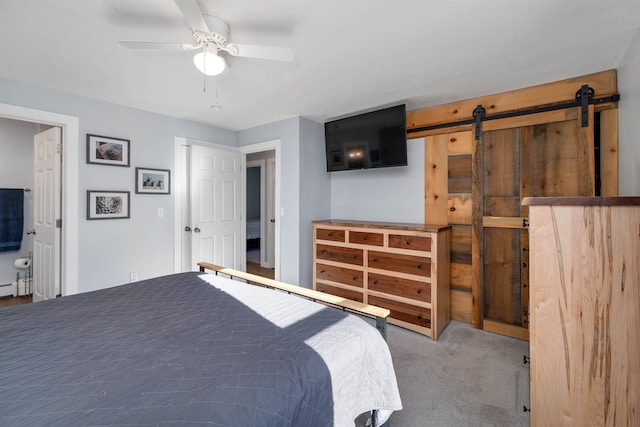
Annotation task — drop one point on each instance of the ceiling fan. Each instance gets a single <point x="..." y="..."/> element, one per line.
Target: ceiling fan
<point x="211" y="36"/>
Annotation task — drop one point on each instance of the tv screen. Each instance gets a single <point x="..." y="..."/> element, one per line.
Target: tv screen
<point x="372" y="140"/>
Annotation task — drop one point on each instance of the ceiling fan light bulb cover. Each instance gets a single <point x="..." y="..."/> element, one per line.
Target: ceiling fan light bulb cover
<point x="209" y="63"/>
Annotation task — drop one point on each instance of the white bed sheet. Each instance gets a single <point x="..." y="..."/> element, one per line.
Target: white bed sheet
<point x="356" y="355"/>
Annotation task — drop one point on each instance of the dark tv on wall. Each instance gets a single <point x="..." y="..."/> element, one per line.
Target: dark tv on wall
<point x="371" y="140"/>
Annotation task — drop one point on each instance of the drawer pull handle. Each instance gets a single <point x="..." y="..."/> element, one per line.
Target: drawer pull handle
<point x="375" y="282"/>
<point x="354" y="256"/>
<point x="322" y="251"/>
<point x="419" y="265"/>
<point x="355" y="277"/>
<point x="419" y="316"/>
<point x="330" y="234"/>
<point x="364" y="237"/>
<point x="321" y="271"/>
<point x="408" y="242"/>
<point x="419" y="291"/>
<point x="375" y="260"/>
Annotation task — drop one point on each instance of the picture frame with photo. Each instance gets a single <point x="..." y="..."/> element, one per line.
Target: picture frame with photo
<point x="153" y="181"/>
<point x="108" y="204"/>
<point x="106" y="150"/>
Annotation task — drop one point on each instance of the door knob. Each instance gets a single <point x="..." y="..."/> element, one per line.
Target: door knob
<point x="273" y="220"/>
<point x="31" y="232"/>
<point x="187" y="228"/>
<point x="196" y="230"/>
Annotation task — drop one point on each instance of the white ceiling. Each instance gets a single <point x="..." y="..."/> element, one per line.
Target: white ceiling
<point x="351" y="55"/>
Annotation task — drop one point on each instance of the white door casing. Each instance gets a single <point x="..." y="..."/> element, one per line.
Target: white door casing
<point x="69" y="186"/>
<point x="216" y="219"/>
<point x="46" y="240"/>
<point x="270" y="230"/>
<point x="183" y="196"/>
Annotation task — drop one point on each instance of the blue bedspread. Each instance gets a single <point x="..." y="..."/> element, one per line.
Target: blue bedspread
<point x="169" y="351"/>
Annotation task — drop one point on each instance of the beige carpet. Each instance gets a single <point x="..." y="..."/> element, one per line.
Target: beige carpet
<point x="468" y="377"/>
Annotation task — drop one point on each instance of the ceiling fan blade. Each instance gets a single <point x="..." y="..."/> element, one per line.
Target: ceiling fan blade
<point x="193" y="14"/>
<point x="261" y="52"/>
<point x="157" y="45"/>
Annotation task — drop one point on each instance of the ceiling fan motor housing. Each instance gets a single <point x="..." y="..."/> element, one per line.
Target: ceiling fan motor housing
<point x="219" y="34"/>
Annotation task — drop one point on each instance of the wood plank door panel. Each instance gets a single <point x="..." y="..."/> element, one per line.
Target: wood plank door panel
<point x="545" y="160"/>
<point x="501" y="240"/>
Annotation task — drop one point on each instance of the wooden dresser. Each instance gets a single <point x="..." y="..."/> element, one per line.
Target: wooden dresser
<point x="401" y="267"/>
<point x="585" y="311"/>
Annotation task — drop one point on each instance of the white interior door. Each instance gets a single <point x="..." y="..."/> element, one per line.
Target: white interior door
<point x="216" y="220"/>
<point x="46" y="240"/>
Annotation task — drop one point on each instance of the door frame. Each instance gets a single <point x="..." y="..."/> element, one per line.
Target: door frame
<point x="69" y="186"/>
<point x="275" y="144"/>
<point x="179" y="186"/>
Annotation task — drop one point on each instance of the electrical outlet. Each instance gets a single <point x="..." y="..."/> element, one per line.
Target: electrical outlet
<point x="134" y="277"/>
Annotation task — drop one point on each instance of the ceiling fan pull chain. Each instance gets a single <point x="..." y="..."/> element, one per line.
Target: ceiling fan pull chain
<point x="204" y="75"/>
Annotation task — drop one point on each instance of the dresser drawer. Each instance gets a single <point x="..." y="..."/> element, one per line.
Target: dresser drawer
<point x="339" y="254"/>
<point x="416" y="243"/>
<point x="420" y="266"/>
<point x="366" y="238"/>
<point x="329" y="234"/>
<point x="406" y="312"/>
<point x="419" y="291"/>
<point x="344" y="293"/>
<point x="339" y="274"/>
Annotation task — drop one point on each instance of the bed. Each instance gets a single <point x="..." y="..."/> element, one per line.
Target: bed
<point x="253" y="229"/>
<point x="192" y="349"/>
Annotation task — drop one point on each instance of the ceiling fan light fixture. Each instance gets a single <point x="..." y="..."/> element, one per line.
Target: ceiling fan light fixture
<point x="209" y="63"/>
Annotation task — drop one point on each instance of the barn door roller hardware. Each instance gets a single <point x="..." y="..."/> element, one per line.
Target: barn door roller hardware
<point x="585" y="96"/>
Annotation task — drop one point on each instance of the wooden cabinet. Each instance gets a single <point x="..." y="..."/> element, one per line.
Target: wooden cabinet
<point x="401" y="267"/>
<point x="585" y="311"/>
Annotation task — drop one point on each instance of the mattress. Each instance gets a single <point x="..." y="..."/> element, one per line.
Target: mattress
<point x="253" y="229"/>
<point x="191" y="348"/>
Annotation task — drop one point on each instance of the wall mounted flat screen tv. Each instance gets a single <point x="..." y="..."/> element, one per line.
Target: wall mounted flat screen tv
<point x="372" y="140"/>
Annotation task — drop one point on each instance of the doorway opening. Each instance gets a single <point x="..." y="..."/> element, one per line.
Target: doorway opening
<point x="260" y="213"/>
<point x="66" y="196"/>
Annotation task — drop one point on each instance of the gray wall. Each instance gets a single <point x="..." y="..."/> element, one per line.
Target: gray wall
<point x="110" y="249"/>
<point x="288" y="132"/>
<point x="16" y="171"/>
<point x="315" y="192"/>
<point x="629" y="120"/>
<point x="393" y="194"/>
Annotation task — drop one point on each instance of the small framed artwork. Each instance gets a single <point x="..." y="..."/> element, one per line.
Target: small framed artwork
<point x="104" y="150"/>
<point x="153" y="181"/>
<point x="107" y="204"/>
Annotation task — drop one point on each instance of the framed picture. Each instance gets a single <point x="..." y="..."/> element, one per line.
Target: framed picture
<point x="104" y="150"/>
<point x="107" y="204"/>
<point x="153" y="181"/>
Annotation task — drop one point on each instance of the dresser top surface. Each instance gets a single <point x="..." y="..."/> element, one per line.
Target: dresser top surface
<point x="386" y="225"/>
<point x="581" y="201"/>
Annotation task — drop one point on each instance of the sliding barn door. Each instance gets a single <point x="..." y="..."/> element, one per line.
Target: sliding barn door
<point x="551" y="159"/>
